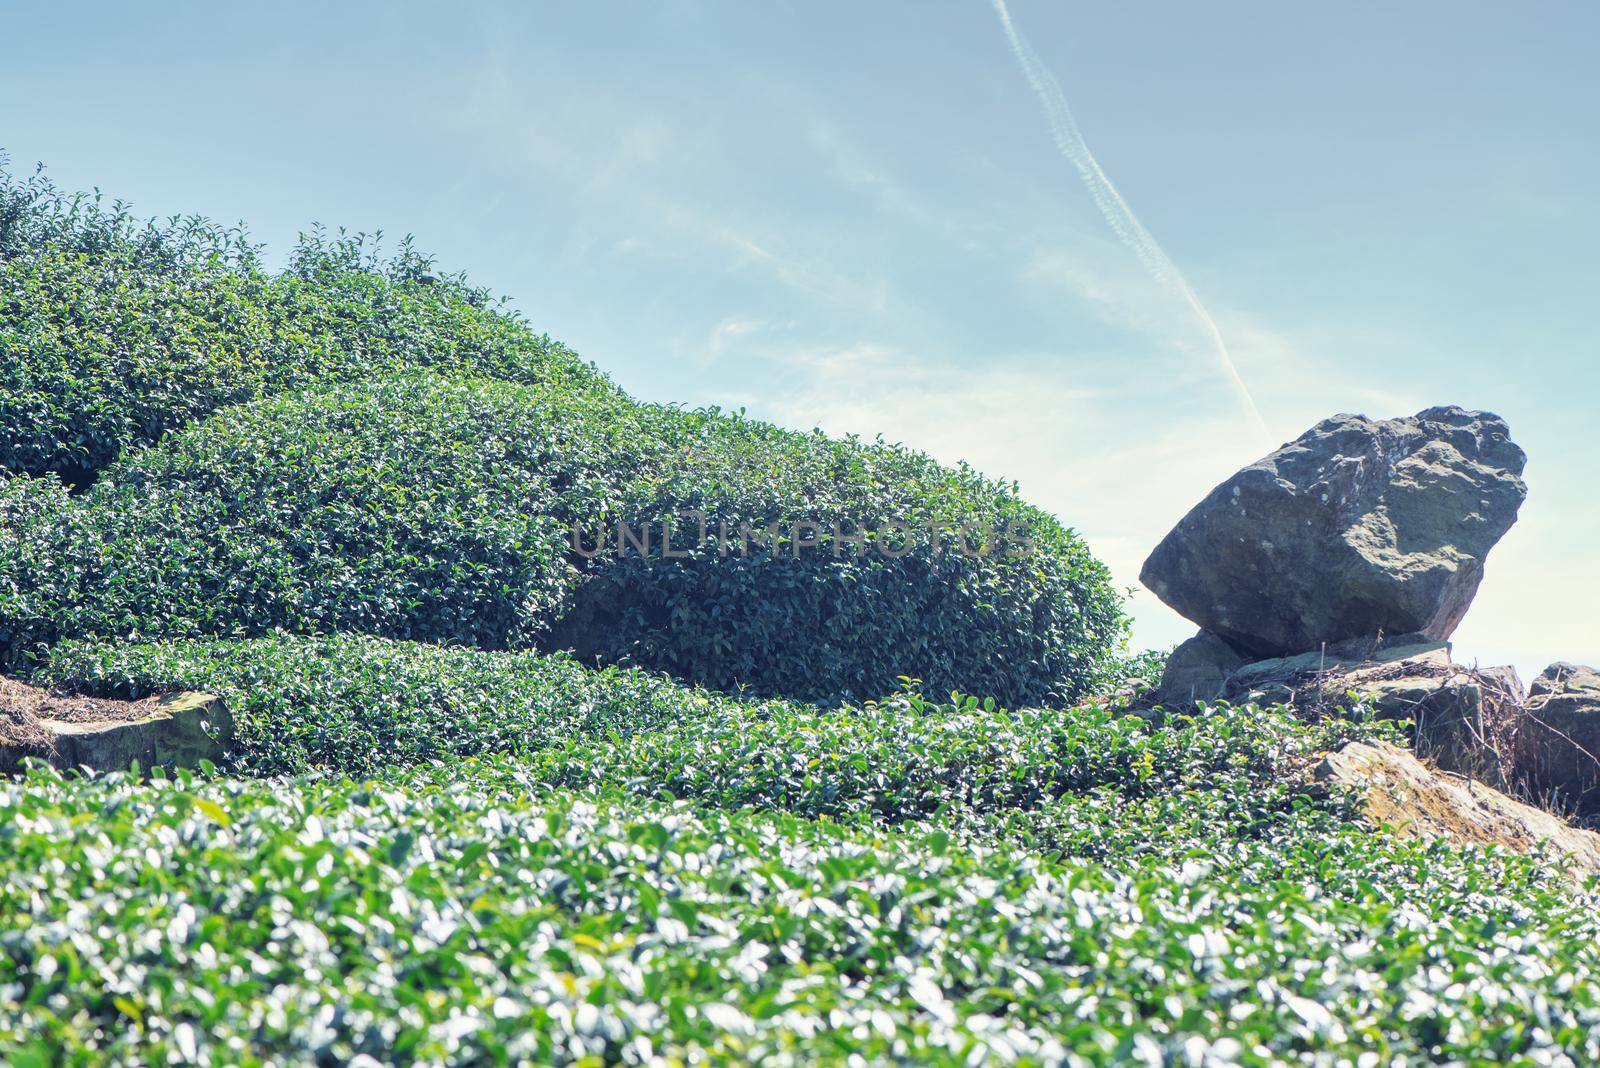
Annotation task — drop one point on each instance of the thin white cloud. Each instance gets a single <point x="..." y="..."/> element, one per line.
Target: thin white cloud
<point x="730" y="330"/>
<point x="626" y="180"/>
<point x="1069" y="139"/>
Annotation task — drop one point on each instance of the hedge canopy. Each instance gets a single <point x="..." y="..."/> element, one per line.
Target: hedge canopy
<point x="354" y="445"/>
<point x="115" y="331"/>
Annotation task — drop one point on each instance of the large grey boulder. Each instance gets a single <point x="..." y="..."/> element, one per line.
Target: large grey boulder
<point x="1561" y="738"/>
<point x="1356" y="528"/>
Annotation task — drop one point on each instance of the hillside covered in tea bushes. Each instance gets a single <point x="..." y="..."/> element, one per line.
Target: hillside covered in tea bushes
<point x="497" y="796"/>
<point x="199" y="447"/>
<point x="636" y="874"/>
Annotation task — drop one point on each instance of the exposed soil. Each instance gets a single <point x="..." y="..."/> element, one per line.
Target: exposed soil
<point x="24" y="710"/>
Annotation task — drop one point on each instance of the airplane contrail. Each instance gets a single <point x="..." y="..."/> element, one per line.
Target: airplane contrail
<point x="1068" y="138"/>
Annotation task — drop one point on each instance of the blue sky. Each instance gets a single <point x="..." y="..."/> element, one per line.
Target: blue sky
<point x="853" y="215"/>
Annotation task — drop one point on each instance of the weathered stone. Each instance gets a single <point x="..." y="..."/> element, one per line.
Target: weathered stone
<point x="1196" y="671"/>
<point x="1507" y="681"/>
<point x="1357" y="528"/>
<point x="1462" y="719"/>
<point x="173" y="732"/>
<point x="1568" y="689"/>
<point x="1560" y="750"/>
<point x="1322" y="668"/>
<point x="1398" y="791"/>
<point x="1455" y="727"/>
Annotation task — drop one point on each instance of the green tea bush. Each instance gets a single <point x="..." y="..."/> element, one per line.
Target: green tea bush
<point x="454" y="511"/>
<point x="463" y="916"/>
<point x="115" y="331"/>
<point x="48" y="556"/>
<point x="907" y="759"/>
<point x="412" y="507"/>
<point x="644" y="871"/>
<point x="357" y="704"/>
<point x="975" y="590"/>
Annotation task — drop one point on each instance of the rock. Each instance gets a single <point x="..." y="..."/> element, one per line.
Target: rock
<point x="1542" y="744"/>
<point x="1400" y="792"/>
<point x="1560" y="751"/>
<point x="181" y="731"/>
<point x="1196" y="671"/>
<point x="1356" y="528"/>
<point x="1322" y="670"/>
<point x="1464" y="720"/>
<point x="1456" y="726"/>
<point x="1568" y="689"/>
<point x="1509" y="682"/>
<point x="173" y="732"/>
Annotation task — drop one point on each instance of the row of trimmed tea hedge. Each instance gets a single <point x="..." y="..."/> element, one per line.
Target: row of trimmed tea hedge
<point x="445" y="510"/>
<point x="355" y="704"/>
<point x="1085" y="781"/>
<point x="463" y="916"/>
<point x="115" y="331"/>
<point x="976" y="590"/>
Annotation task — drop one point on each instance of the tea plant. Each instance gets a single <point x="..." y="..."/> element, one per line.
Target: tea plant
<point x="115" y="331"/>
<point x="342" y="496"/>
<point x="463" y="915"/>
<point x="356" y="444"/>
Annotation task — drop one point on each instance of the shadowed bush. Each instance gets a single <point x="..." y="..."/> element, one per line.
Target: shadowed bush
<point x="840" y="604"/>
<point x="444" y="510"/>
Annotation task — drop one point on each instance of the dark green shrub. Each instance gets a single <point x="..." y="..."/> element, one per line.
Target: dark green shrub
<point x="417" y="508"/>
<point x="841" y="604"/>
<point x="114" y="331"/>
<point x="49" y="556"/>
<point x="444" y="510"/>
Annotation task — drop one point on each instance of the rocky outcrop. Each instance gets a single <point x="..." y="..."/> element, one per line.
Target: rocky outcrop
<point x="1300" y="568"/>
<point x="1562" y="747"/>
<point x="1542" y="743"/>
<point x="177" y="731"/>
<point x="1356" y="528"/>
<point x="1465" y="720"/>
<point x="1402" y="793"/>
